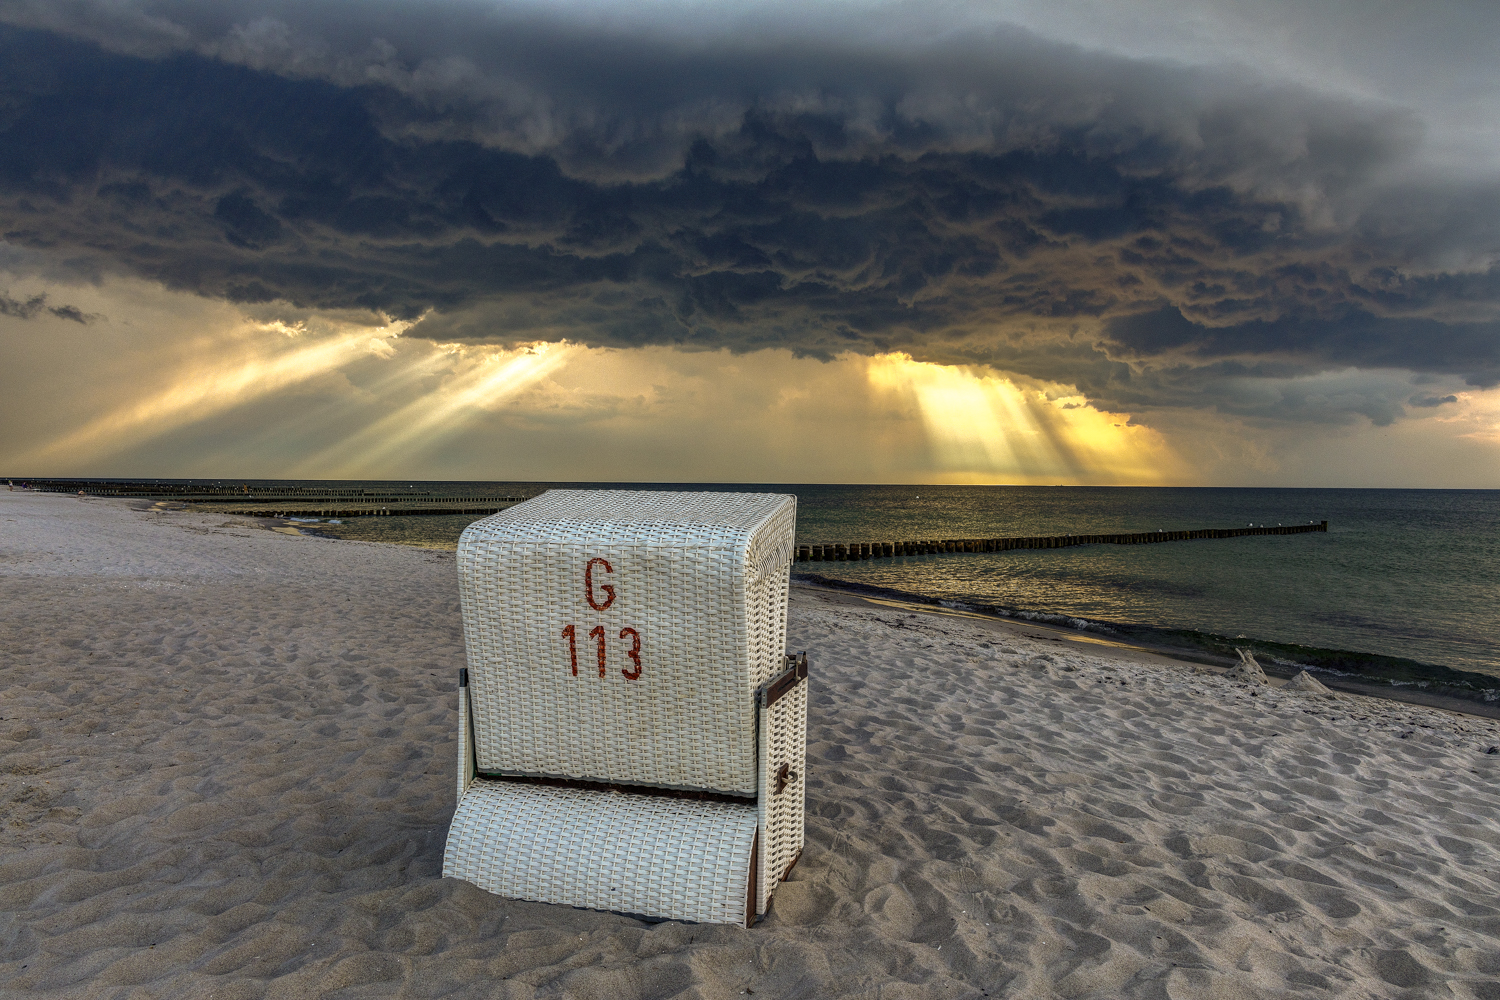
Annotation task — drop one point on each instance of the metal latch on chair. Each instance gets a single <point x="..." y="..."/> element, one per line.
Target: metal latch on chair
<point x="795" y="673"/>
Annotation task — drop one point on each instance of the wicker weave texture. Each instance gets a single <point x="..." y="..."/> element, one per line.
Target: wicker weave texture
<point x="783" y="736"/>
<point x="648" y="854"/>
<point x="699" y="580"/>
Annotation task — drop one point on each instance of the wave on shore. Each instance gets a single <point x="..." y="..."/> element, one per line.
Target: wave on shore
<point x="1365" y="670"/>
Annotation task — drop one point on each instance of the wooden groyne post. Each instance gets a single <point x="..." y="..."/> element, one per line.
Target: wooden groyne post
<point x="342" y="512"/>
<point x="288" y="501"/>
<point x="848" y="551"/>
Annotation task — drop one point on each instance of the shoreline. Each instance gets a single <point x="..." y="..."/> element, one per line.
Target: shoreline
<point x="1199" y="654"/>
<point x="1446" y="650"/>
<point x="1277" y="670"/>
<point x="1129" y="636"/>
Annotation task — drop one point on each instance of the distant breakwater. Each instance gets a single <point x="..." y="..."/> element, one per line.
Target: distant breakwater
<point x="848" y="551"/>
<point x="230" y="493"/>
<point x="286" y="501"/>
<point x="407" y="508"/>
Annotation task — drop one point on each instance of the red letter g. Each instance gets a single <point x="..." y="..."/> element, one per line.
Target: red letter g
<point x="588" y="584"/>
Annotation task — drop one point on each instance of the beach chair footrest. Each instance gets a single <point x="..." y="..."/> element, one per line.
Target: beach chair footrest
<point x="656" y="856"/>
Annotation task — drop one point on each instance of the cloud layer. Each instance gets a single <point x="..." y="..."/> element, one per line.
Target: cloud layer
<point x="35" y="305"/>
<point x="1159" y="235"/>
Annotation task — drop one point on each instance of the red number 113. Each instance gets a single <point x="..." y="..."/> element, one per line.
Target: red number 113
<point x="570" y="632"/>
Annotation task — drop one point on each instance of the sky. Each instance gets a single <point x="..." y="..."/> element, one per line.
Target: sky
<point x="1137" y="242"/>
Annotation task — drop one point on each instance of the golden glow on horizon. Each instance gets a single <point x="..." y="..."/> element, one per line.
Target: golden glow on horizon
<point x="1475" y="418"/>
<point x="263" y="366"/>
<point x="987" y="429"/>
<point x="951" y="424"/>
<point x="170" y="384"/>
<point x="481" y="382"/>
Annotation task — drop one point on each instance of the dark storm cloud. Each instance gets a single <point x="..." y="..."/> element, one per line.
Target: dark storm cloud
<point x="1351" y="337"/>
<point x="22" y="310"/>
<point x="36" y="305"/>
<point x="1144" y="231"/>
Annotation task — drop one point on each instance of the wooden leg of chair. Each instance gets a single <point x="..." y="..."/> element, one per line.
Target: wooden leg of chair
<point x="752" y="891"/>
<point x="465" y="735"/>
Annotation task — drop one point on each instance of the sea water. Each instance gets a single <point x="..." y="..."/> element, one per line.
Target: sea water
<point x="1413" y="574"/>
<point x="1409" y="574"/>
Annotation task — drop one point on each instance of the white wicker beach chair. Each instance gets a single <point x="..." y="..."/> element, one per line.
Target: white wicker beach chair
<point x="632" y="734"/>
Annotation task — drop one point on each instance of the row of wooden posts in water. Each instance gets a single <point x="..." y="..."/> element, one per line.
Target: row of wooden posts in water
<point x="226" y="492"/>
<point x="287" y="501"/>
<point x="445" y="505"/>
<point x="844" y="551"/>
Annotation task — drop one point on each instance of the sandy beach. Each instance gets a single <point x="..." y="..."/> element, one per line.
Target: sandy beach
<point x="227" y="754"/>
